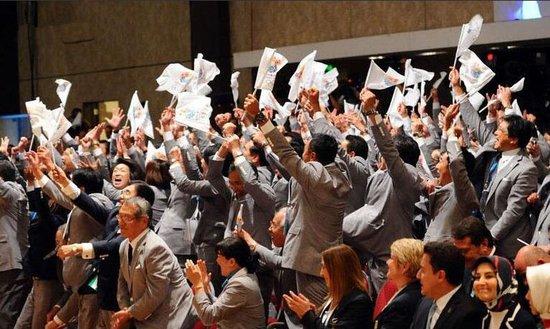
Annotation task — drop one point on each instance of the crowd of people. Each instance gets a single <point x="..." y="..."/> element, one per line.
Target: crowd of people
<point x="330" y="219"/>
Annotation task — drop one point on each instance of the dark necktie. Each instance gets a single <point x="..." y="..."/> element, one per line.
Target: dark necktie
<point x="493" y="168"/>
<point x="130" y="250"/>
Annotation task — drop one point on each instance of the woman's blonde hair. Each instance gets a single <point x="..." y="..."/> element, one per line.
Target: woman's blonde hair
<point x="408" y="251"/>
<point x="344" y="271"/>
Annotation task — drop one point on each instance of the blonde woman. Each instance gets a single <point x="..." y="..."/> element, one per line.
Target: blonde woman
<point x="403" y="265"/>
<point x="347" y="305"/>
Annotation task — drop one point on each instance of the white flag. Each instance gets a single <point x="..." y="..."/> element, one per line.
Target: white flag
<point x="270" y="64"/>
<point x="175" y="79"/>
<point x="350" y="108"/>
<point x="194" y="111"/>
<point x="136" y="113"/>
<point x="515" y="110"/>
<point x="437" y="82"/>
<point x="393" y="111"/>
<point x="469" y="34"/>
<point x="63" y="88"/>
<point x="148" y="124"/>
<point x="235" y="86"/>
<point x="473" y="72"/>
<point x="393" y="77"/>
<point x="412" y="96"/>
<point x="267" y="99"/>
<point x="329" y="83"/>
<point x="377" y="78"/>
<point x="476" y="100"/>
<point x="205" y="71"/>
<point x="414" y="75"/>
<point x="60" y="125"/>
<point x="314" y="79"/>
<point x="154" y="153"/>
<point x="518" y="86"/>
<point x="39" y="116"/>
<point x="300" y="75"/>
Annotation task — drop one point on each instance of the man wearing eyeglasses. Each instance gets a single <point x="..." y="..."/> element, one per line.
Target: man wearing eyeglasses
<point x="152" y="290"/>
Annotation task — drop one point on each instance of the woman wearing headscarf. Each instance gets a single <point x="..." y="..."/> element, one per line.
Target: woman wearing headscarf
<point x="494" y="285"/>
<point x="538" y="279"/>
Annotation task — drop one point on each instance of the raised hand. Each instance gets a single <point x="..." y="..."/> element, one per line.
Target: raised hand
<point x="368" y="99"/>
<point x="45" y="155"/>
<point x="298" y="303"/>
<point x="4" y="142"/>
<point x="60" y="177"/>
<point x="251" y="105"/>
<point x="116" y="119"/>
<point x="450" y="114"/>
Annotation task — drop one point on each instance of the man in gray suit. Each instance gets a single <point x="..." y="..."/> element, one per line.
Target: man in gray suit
<point x="151" y="287"/>
<point x="247" y="192"/>
<point x="390" y="197"/>
<point x="510" y="176"/>
<point x="319" y="197"/>
<point x="541" y="237"/>
<point x="14" y="223"/>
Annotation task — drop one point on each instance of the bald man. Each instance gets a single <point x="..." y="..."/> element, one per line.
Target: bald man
<point x="530" y="256"/>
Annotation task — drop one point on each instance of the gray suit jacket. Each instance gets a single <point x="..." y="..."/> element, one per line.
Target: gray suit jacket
<point x="541" y="237"/>
<point x="258" y="203"/>
<point x="319" y="199"/>
<point x="153" y="286"/>
<point x="506" y="202"/>
<point x="451" y="203"/>
<point x="213" y="207"/>
<point x="81" y="227"/>
<point x="14" y="225"/>
<point x="359" y="172"/>
<point x="388" y="212"/>
<point x="238" y="306"/>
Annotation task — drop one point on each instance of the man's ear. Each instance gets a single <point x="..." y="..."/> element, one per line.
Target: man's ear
<point x="351" y="153"/>
<point x="313" y="156"/>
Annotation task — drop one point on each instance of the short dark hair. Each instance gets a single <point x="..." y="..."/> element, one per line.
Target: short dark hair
<point x="255" y="150"/>
<point x="90" y="180"/>
<point x="325" y="147"/>
<point x="135" y="170"/>
<point x="296" y="142"/>
<point x="358" y="145"/>
<point x="444" y="256"/>
<point x="237" y="248"/>
<point x="519" y="128"/>
<point x="7" y="171"/>
<point x="407" y="148"/>
<point x="209" y="152"/>
<point x="143" y="190"/>
<point x="473" y="228"/>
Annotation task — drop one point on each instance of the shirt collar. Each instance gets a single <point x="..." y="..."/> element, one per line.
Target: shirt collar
<point x="442" y="301"/>
<point x="510" y="153"/>
<point x="135" y="241"/>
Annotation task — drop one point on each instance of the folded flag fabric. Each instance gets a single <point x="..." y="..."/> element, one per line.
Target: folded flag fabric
<point x="303" y="71"/>
<point x="270" y="64"/>
<point x="63" y="88"/>
<point x="175" y="79"/>
<point x="193" y="111"/>
<point x="473" y="72"/>
<point x="235" y="86"/>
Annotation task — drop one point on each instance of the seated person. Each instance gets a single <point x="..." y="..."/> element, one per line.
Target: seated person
<point x="495" y="285"/>
<point x="240" y="304"/>
<point x="403" y="265"/>
<point x="348" y="304"/>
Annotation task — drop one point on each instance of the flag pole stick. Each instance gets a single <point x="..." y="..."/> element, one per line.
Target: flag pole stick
<point x="32" y="141"/>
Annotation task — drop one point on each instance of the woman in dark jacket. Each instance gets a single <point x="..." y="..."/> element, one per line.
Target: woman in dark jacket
<point x="496" y="287"/>
<point x="348" y="305"/>
<point x="404" y="263"/>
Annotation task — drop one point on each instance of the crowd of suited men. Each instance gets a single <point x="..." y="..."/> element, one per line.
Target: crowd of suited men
<point x="436" y="219"/>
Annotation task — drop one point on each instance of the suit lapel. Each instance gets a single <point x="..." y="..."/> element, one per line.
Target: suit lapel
<point x="450" y="308"/>
<point x="135" y="256"/>
<point x="499" y="176"/>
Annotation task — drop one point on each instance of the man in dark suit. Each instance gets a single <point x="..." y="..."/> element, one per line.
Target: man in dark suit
<point x="105" y="251"/>
<point x="445" y="304"/>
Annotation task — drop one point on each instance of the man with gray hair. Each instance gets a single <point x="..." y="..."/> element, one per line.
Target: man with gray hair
<point x="152" y="291"/>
